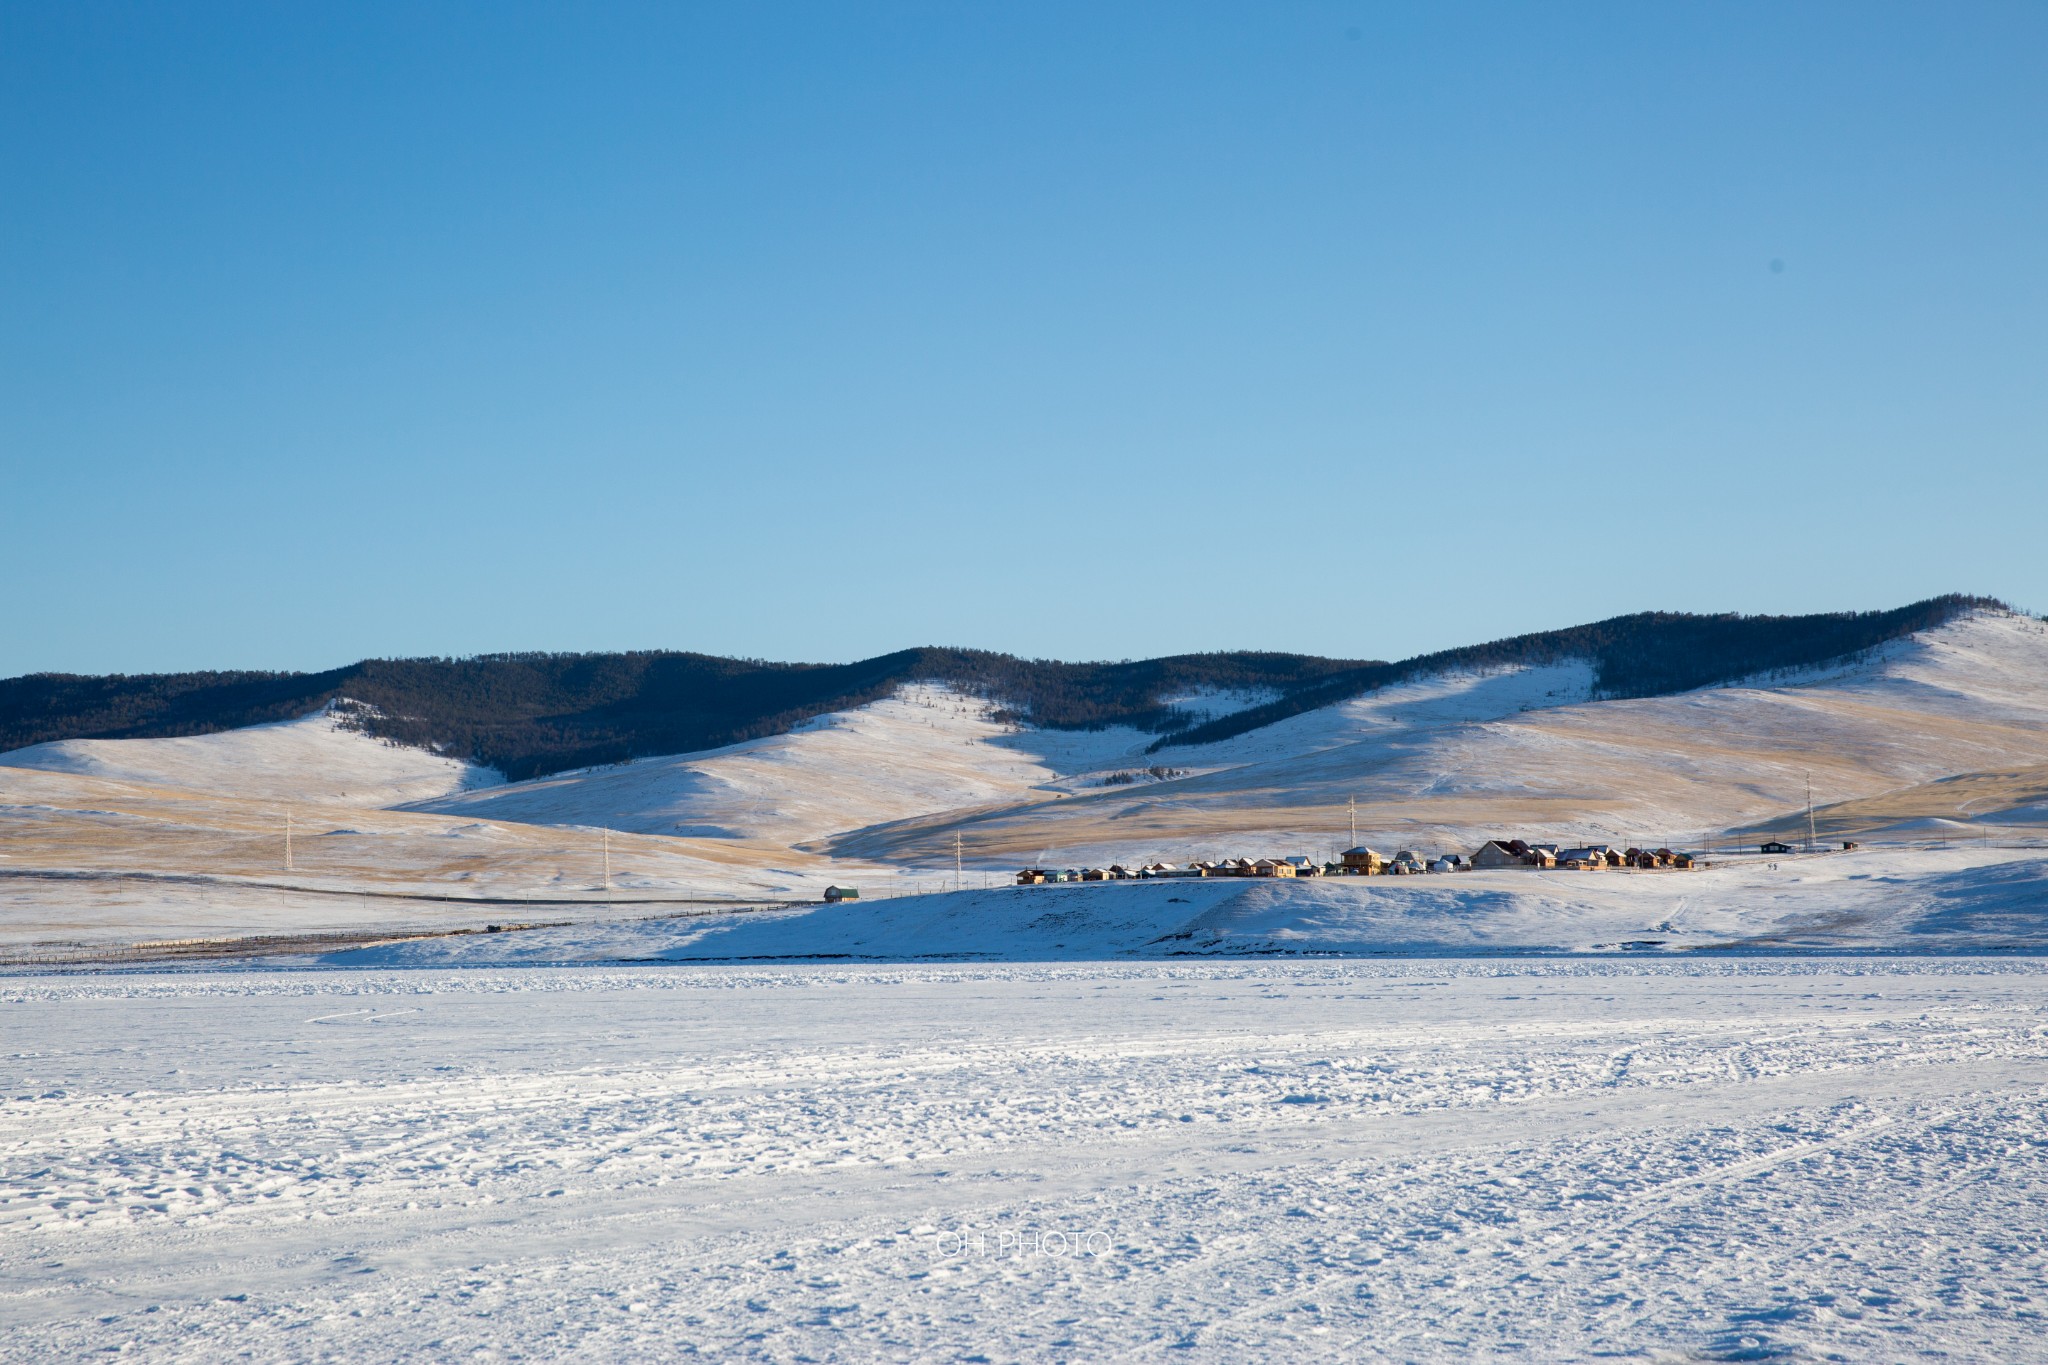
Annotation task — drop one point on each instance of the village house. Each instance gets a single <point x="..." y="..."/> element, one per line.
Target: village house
<point x="1272" y="867"/>
<point x="1493" y="853"/>
<point x="1031" y="876"/>
<point x="1405" y="864"/>
<point x="1363" y="862"/>
<point x="1775" y="846"/>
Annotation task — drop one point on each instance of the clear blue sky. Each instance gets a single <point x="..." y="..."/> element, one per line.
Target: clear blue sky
<point x="815" y="331"/>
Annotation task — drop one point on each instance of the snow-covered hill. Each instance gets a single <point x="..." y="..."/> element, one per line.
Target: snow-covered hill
<point x="315" y="758"/>
<point x="1436" y="763"/>
<point x="924" y="750"/>
<point x="930" y="751"/>
<point x="1455" y="761"/>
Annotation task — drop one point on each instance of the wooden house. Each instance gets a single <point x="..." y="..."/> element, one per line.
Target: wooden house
<point x="1363" y="862"/>
<point x="1494" y="853"/>
<point x="1272" y="867"/>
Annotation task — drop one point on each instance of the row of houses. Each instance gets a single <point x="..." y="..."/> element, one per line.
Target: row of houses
<point x="1229" y="866"/>
<point x="1586" y="858"/>
<point x="1356" y="863"/>
<point x="1367" y="862"/>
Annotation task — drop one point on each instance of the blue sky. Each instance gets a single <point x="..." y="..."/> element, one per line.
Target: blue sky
<point x="815" y="331"/>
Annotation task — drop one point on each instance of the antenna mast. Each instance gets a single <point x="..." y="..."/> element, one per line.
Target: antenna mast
<point x="607" y="859"/>
<point x="1352" y="803"/>
<point x="287" y="839"/>
<point x="956" y="860"/>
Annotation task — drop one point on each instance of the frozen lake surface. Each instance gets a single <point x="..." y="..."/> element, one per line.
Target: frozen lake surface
<point x="1435" y="1160"/>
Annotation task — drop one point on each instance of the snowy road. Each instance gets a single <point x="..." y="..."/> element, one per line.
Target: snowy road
<point x="1419" y="1160"/>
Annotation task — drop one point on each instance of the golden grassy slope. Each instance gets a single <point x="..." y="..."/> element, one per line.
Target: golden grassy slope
<point x="94" y="858"/>
<point x="1991" y="805"/>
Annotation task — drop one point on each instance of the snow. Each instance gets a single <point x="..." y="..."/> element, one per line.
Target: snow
<point x="1775" y="1109"/>
<point x="315" y="758"/>
<point x="1433" y="1161"/>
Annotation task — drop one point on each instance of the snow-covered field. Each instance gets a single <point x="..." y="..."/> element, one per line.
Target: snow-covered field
<point x="1533" y="1159"/>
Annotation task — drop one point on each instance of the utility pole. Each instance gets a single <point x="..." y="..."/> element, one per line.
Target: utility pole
<point x="1809" y="810"/>
<point x="287" y="839"/>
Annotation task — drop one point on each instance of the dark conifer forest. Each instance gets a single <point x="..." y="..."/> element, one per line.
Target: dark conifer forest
<point x="528" y="715"/>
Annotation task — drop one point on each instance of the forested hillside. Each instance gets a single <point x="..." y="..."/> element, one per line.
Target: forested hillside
<point x="1649" y="654"/>
<point x="531" y="714"/>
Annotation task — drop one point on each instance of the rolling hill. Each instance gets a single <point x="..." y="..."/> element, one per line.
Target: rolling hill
<point x="529" y="715"/>
<point x="1934" y="733"/>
